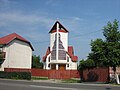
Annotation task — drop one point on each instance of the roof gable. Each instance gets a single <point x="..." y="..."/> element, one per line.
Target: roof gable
<point x="7" y="39"/>
<point x="62" y="28"/>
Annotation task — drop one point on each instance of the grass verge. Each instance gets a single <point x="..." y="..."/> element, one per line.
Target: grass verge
<point x="39" y="78"/>
<point x="72" y="80"/>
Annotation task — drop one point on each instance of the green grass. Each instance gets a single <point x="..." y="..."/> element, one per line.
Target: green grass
<point x="39" y="78"/>
<point x="72" y="80"/>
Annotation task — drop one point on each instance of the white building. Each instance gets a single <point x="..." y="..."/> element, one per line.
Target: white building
<point x="16" y="52"/>
<point x="59" y="55"/>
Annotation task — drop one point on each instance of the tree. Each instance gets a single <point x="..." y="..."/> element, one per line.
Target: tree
<point x="97" y="52"/>
<point x="107" y="52"/>
<point x="36" y="63"/>
<point x="84" y="64"/>
<point x="1" y="57"/>
<point x="112" y="36"/>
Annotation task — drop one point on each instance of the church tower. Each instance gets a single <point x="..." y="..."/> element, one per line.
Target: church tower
<point x="59" y="55"/>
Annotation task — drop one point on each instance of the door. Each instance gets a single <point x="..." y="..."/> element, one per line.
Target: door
<point x="62" y="66"/>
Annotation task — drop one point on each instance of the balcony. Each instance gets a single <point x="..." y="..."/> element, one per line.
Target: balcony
<point x="2" y="57"/>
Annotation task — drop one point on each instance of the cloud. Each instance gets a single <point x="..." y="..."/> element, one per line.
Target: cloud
<point x="15" y="17"/>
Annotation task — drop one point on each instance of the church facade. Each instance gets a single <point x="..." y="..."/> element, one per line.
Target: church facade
<point x="59" y="55"/>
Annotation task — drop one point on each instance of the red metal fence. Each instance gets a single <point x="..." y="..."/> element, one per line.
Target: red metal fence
<point x="96" y="75"/>
<point x="91" y="75"/>
<point x="56" y="74"/>
<point x="17" y="70"/>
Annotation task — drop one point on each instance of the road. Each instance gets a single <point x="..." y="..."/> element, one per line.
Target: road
<point x="33" y="85"/>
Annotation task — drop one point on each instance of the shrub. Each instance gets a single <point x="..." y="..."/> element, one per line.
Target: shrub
<point x="15" y="75"/>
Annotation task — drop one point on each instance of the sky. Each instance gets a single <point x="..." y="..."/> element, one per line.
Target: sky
<point x="33" y="19"/>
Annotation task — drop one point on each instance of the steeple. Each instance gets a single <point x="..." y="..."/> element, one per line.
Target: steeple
<point x="61" y="28"/>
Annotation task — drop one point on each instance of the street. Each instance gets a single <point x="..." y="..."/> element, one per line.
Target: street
<point x="33" y="85"/>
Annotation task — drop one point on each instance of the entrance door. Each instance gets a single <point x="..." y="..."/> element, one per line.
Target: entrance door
<point x="62" y="67"/>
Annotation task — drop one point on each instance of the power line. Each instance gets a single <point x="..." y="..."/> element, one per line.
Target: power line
<point x="76" y="36"/>
<point x="84" y="34"/>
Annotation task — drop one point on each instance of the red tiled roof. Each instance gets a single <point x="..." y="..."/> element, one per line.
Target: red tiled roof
<point x="47" y="53"/>
<point x="62" y="28"/>
<point x="70" y="53"/>
<point x="7" y="39"/>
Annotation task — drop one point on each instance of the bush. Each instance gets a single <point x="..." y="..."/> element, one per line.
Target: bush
<point x="15" y="75"/>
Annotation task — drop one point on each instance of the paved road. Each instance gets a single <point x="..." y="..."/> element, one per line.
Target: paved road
<point x="32" y="85"/>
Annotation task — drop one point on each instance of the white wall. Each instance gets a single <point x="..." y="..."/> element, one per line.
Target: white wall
<point x="18" y="55"/>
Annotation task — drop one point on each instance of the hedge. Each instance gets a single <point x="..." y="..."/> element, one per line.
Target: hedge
<point x="15" y="75"/>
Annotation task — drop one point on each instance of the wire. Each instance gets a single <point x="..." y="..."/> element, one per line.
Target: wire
<point x="76" y="36"/>
<point x="84" y="34"/>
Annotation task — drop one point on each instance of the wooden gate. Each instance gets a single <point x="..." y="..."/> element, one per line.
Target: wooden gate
<point x="59" y="74"/>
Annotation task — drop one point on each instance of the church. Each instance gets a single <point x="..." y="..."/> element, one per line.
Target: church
<point x="59" y="55"/>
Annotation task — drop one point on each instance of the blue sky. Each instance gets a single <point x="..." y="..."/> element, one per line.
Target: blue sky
<point x="33" y="19"/>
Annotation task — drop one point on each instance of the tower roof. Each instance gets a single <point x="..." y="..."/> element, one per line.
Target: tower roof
<point x="61" y="28"/>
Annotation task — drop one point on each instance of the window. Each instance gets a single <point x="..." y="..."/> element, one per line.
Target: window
<point x="67" y="59"/>
<point x="67" y="65"/>
<point x="48" y="59"/>
<point x="49" y="65"/>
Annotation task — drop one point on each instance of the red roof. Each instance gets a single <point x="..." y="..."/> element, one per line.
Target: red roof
<point x="61" y="28"/>
<point x="70" y="53"/>
<point x="7" y="39"/>
<point x="47" y="53"/>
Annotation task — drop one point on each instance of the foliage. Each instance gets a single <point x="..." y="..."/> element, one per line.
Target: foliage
<point x="39" y="78"/>
<point x="107" y="52"/>
<point x="89" y="63"/>
<point x="97" y="52"/>
<point x="36" y="63"/>
<point x="1" y="57"/>
<point x="15" y="75"/>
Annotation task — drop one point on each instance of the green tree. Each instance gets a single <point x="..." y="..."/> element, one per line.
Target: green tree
<point x="1" y="57"/>
<point x="112" y="36"/>
<point x="36" y="63"/>
<point x="97" y="52"/>
<point x="84" y="64"/>
<point x="107" y="52"/>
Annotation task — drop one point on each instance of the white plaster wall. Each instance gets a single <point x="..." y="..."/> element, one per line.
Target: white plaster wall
<point x="18" y="55"/>
<point x="47" y="63"/>
<point x="52" y="39"/>
<point x="72" y="65"/>
<point x="64" y="39"/>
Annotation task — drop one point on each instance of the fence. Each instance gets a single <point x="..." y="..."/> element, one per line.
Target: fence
<point x="56" y="74"/>
<point x="96" y="75"/>
<point x="16" y="70"/>
<point x="92" y="75"/>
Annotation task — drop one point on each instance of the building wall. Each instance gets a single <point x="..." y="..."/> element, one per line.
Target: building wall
<point x="69" y="64"/>
<point x="18" y="55"/>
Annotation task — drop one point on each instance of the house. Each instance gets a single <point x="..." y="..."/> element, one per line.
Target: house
<point x="59" y="56"/>
<point x="16" y="52"/>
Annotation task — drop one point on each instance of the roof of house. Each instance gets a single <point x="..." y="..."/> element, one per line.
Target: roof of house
<point x="7" y="39"/>
<point x="70" y="53"/>
<point x="61" y="28"/>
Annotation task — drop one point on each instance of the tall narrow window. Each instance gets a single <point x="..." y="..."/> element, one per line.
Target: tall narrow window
<point x="61" y="51"/>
